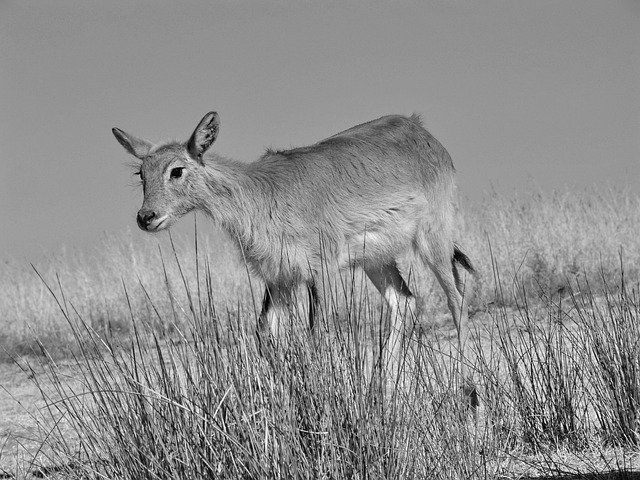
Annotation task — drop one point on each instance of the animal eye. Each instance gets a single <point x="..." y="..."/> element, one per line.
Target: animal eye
<point x="176" y="172"/>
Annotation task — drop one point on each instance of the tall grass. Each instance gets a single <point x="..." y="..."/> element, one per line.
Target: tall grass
<point x="203" y="403"/>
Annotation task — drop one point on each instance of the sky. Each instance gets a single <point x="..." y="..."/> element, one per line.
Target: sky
<point x="523" y="94"/>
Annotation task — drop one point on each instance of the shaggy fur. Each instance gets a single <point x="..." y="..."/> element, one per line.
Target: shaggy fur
<point x="362" y="197"/>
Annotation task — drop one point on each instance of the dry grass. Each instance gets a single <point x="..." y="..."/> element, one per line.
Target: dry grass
<point x="544" y="242"/>
<point x="168" y="382"/>
<point x="93" y="280"/>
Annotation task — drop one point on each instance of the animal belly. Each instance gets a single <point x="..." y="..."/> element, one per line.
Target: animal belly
<point x="376" y="246"/>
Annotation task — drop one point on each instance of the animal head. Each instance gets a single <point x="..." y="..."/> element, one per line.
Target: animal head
<point x="171" y="173"/>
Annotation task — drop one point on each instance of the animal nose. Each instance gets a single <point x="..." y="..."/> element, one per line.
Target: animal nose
<point x="145" y="217"/>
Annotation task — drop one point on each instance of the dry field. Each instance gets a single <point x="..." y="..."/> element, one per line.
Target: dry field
<point x="135" y="359"/>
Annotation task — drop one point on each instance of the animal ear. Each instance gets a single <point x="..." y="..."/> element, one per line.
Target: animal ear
<point x="203" y="136"/>
<point x="135" y="146"/>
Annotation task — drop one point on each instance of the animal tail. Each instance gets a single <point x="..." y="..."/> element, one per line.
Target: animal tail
<point x="462" y="259"/>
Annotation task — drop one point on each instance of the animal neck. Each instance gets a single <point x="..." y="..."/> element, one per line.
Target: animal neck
<point x="237" y="198"/>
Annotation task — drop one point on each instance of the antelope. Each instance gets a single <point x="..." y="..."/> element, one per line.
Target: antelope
<point x="363" y="197"/>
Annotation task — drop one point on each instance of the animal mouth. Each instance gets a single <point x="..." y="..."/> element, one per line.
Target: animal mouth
<point x="158" y="224"/>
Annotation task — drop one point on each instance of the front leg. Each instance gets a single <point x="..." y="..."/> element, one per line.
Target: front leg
<point x="263" y="324"/>
<point x="312" y="291"/>
<point x="273" y="313"/>
<point x="263" y="332"/>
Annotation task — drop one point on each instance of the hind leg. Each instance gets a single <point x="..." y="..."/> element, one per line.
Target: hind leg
<point x="437" y="253"/>
<point x="461" y="280"/>
<point x="387" y="279"/>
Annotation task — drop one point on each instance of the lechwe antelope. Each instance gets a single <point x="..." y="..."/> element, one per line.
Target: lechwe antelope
<point x="362" y="197"/>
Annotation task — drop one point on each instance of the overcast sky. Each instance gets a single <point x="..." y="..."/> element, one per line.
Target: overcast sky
<point x="523" y="94"/>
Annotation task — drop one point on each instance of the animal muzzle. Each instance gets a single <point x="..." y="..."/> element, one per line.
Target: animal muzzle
<point x="145" y="217"/>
